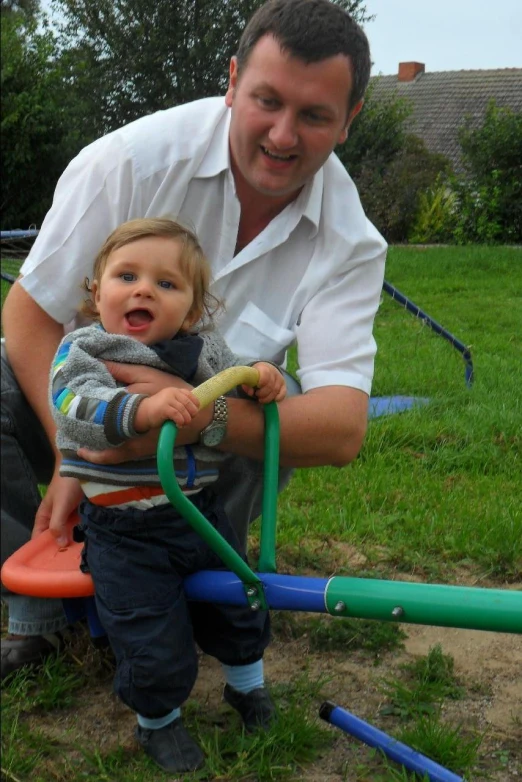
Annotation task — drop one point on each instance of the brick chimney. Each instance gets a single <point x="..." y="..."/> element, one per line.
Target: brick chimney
<point x="408" y="71"/>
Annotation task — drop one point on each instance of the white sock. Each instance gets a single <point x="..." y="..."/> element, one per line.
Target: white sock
<point x="245" y="678"/>
<point x="159" y="722"/>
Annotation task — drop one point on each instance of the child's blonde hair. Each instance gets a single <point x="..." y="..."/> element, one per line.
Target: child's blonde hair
<point x="193" y="262"/>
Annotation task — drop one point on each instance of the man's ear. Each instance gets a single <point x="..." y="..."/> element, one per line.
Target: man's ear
<point x="232" y="82"/>
<point x="351" y="116"/>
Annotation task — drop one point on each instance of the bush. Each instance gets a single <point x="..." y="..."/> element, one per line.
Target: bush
<point x="390" y="197"/>
<point x="389" y="167"/>
<point x="436" y="218"/>
<point x="489" y="197"/>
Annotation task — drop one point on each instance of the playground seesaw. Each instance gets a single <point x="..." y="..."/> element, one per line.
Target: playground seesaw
<point x="42" y="569"/>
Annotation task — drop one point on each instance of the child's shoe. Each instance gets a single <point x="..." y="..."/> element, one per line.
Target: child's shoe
<point x="171" y="747"/>
<point x="256" y="707"/>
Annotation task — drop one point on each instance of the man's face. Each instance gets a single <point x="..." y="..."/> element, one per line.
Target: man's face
<point x="287" y="117"/>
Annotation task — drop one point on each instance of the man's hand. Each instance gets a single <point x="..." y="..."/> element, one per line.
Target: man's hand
<point x="271" y="386"/>
<point x="170" y="404"/>
<point x="140" y="379"/>
<point x="147" y="444"/>
<point x="139" y="448"/>
<point x="62" y="497"/>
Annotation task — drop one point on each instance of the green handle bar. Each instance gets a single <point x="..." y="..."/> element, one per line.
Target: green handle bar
<point x="206" y="393"/>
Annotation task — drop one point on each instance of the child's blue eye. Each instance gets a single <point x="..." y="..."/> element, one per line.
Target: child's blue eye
<point x="128" y="277"/>
<point x="166" y="284"/>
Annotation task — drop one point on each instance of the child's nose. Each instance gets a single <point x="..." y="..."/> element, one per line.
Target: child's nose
<point x="144" y="288"/>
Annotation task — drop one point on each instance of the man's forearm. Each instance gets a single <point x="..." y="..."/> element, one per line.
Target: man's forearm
<point x="31" y="339"/>
<point x="326" y="426"/>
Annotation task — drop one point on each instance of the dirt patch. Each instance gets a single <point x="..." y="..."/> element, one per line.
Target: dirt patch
<point x="488" y="665"/>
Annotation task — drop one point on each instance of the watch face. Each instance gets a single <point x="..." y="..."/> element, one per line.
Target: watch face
<point x="214" y="435"/>
<point x="217" y="429"/>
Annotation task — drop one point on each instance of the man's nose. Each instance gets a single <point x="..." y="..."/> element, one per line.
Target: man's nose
<point x="283" y="133"/>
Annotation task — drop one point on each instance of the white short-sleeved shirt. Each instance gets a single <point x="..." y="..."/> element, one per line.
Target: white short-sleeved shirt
<point x="313" y="276"/>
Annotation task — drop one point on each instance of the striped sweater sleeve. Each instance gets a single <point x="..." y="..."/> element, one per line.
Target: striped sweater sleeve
<point x="88" y="407"/>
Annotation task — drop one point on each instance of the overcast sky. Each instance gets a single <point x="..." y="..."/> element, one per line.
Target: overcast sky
<point x="445" y="35"/>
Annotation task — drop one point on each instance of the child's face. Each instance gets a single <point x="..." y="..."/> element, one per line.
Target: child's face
<point x="143" y="293"/>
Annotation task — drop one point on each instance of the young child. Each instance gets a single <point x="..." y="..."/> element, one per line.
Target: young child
<point x="149" y="291"/>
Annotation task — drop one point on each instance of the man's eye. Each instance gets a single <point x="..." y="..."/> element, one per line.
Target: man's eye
<point x="311" y="116"/>
<point x="166" y="284"/>
<point x="268" y="103"/>
<point x="128" y="277"/>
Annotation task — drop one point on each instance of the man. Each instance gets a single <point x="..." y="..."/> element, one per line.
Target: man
<point x="292" y="254"/>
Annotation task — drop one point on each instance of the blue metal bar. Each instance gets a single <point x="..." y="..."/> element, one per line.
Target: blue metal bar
<point x="395" y="750"/>
<point x="434" y="326"/>
<point x="290" y="593"/>
<point x="78" y="608"/>
<point x="19" y="234"/>
<point x="389" y="405"/>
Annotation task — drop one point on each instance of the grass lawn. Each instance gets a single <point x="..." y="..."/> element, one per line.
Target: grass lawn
<point x="435" y="495"/>
<point x="437" y="487"/>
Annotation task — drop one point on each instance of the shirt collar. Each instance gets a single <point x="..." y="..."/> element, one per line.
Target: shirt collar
<point x="217" y="156"/>
<point x="310" y="199"/>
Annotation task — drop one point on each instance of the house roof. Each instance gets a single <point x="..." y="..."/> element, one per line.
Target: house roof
<point x="441" y="101"/>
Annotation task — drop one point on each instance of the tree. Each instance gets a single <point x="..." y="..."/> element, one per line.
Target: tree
<point x="128" y="58"/>
<point x="376" y="135"/>
<point x="36" y="137"/>
<point x="28" y="7"/>
<point x="113" y="61"/>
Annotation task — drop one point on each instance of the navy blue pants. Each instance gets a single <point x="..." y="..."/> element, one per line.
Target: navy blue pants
<point x="138" y="560"/>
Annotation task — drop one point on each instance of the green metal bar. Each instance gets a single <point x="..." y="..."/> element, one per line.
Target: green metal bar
<point x="185" y="507"/>
<point x="498" y="610"/>
<point x="267" y="546"/>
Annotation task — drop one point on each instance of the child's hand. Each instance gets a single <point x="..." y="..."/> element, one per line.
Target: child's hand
<point x="170" y="404"/>
<point x="271" y="385"/>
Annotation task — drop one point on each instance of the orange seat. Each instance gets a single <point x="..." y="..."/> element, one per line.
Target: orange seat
<point x="41" y="569"/>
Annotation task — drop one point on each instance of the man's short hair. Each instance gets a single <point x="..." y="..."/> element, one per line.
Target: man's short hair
<point x="311" y="30"/>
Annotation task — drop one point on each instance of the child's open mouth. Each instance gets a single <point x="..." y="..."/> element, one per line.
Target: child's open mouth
<point x="139" y="319"/>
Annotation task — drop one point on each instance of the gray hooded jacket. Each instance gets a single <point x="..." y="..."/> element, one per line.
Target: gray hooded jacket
<point x="91" y="410"/>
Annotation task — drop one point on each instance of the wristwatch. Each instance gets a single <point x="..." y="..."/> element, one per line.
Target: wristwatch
<point x="216" y="430"/>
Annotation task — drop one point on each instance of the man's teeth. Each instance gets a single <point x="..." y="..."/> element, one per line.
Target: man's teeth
<point x="276" y="157"/>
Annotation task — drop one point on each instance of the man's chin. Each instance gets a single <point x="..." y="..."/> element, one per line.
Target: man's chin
<point x="289" y="190"/>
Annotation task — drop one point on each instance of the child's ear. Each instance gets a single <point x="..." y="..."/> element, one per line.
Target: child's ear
<point x="95" y="294"/>
<point x="191" y="319"/>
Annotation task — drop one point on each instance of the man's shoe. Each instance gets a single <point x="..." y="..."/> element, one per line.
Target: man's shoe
<point x="18" y="651"/>
<point x="171" y="747"/>
<point x="256" y="707"/>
